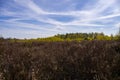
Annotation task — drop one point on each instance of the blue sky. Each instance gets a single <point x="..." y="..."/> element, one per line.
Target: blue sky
<point x="43" y="18"/>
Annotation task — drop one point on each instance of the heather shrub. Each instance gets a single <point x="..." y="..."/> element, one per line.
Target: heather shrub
<point x="85" y="60"/>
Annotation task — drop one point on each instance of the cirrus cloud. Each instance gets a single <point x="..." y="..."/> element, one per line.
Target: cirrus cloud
<point x="43" y="16"/>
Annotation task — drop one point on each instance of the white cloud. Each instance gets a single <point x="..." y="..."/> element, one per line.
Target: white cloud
<point x="110" y="16"/>
<point x="102" y="5"/>
<point x="117" y="25"/>
<point x="81" y="16"/>
<point x="84" y="17"/>
<point x="23" y="33"/>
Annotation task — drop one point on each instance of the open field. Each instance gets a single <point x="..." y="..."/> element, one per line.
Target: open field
<point x="85" y="60"/>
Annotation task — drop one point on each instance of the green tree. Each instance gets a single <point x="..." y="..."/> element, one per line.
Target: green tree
<point x="118" y="35"/>
<point x="112" y="37"/>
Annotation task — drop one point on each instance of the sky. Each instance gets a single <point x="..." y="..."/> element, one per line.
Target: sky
<point x="44" y="18"/>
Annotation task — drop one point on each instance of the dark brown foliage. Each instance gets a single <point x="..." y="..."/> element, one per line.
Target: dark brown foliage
<point x="86" y="60"/>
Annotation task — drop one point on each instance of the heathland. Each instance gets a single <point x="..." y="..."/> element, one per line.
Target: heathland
<point x="62" y="57"/>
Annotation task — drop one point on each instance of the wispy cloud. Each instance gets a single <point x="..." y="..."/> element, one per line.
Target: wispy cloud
<point x="117" y="25"/>
<point x="88" y="16"/>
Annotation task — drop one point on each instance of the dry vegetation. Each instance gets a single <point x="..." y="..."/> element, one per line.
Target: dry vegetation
<point x="86" y="60"/>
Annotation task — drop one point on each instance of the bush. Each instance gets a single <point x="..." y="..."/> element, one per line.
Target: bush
<point x="86" y="60"/>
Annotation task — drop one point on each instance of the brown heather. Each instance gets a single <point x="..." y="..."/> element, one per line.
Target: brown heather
<point x="85" y="60"/>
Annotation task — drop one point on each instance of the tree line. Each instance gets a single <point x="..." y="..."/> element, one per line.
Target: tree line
<point x="73" y="37"/>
